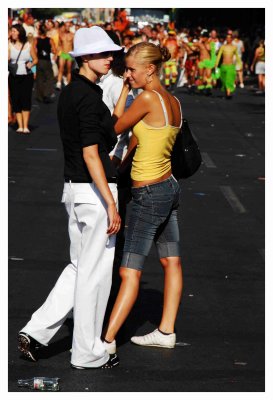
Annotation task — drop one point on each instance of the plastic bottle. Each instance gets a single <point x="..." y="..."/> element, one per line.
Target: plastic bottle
<point x="41" y="383"/>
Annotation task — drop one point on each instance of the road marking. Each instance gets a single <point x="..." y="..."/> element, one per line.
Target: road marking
<point x="38" y="149"/>
<point x="233" y="200"/>
<point x="182" y="344"/>
<point x="207" y="160"/>
<point x="262" y="253"/>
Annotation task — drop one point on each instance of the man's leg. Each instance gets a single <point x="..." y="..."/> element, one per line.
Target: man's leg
<point x="46" y="321"/>
<point x="68" y="69"/>
<point x="201" y="71"/>
<point x="174" y="72"/>
<point x="93" y="283"/>
<point x="60" y="73"/>
<point x="230" y="79"/>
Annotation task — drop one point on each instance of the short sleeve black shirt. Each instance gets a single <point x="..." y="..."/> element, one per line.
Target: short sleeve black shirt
<point x="84" y="120"/>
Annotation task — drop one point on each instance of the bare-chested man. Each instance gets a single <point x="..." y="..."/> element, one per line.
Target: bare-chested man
<point x="227" y="69"/>
<point x="170" y="67"/>
<point x="207" y="59"/>
<point x="65" y="59"/>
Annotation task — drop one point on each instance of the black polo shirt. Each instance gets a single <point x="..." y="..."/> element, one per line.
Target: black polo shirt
<point x="84" y="120"/>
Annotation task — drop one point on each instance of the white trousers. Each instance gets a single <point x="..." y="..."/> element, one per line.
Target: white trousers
<point x="85" y="283"/>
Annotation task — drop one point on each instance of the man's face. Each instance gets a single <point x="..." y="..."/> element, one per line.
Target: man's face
<point x="213" y="34"/>
<point x="100" y="63"/>
<point x="229" y="39"/>
<point x="154" y="35"/>
<point x="30" y="21"/>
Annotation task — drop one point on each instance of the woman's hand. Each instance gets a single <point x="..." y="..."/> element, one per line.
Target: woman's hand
<point x="126" y="83"/>
<point x="29" y="65"/>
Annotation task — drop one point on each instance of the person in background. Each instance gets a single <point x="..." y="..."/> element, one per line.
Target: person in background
<point x="127" y="43"/>
<point x="227" y="69"/>
<point x="154" y="37"/>
<point x="28" y="25"/>
<point x="65" y="59"/>
<point x="44" y="46"/>
<point x="11" y="114"/>
<point x="259" y="64"/>
<point x="52" y="32"/>
<point x="21" y="84"/>
<point x="170" y="66"/>
<point x="213" y="37"/>
<point x="239" y="64"/>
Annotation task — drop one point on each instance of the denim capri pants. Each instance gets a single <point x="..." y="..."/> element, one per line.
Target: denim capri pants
<point x="153" y="218"/>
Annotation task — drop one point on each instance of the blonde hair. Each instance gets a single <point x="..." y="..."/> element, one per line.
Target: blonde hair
<point x="149" y="53"/>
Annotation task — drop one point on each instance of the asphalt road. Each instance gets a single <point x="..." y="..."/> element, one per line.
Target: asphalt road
<point x="221" y="321"/>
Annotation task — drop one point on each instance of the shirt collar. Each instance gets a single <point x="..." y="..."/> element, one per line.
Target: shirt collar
<point x="76" y="76"/>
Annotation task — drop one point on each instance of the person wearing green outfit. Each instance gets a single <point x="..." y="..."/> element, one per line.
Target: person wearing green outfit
<point x="227" y="68"/>
<point x="207" y="59"/>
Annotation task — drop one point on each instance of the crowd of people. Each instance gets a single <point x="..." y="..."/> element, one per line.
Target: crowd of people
<point x="201" y="59"/>
<point x="116" y="108"/>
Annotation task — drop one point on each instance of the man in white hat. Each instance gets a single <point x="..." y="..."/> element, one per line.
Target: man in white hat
<point x="90" y="197"/>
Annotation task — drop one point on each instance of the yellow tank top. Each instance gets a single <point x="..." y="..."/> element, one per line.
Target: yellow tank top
<point x="152" y="158"/>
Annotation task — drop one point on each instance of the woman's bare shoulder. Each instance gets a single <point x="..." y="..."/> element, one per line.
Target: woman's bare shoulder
<point x="146" y="95"/>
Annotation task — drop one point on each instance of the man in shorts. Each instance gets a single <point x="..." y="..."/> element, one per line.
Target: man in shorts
<point x="65" y="59"/>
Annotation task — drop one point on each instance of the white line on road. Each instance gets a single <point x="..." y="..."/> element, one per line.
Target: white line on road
<point x="233" y="200"/>
<point x="182" y="344"/>
<point x="207" y="160"/>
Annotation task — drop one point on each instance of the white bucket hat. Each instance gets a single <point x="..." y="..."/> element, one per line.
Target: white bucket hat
<point x="92" y="40"/>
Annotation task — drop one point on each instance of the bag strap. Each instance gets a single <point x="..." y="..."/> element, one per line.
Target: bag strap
<point x="163" y="107"/>
<point x="19" y="53"/>
<point x="180" y="111"/>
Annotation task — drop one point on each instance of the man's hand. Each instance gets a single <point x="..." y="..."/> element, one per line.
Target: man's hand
<point x="114" y="220"/>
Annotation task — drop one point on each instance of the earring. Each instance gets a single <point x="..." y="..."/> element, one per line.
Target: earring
<point x="149" y="80"/>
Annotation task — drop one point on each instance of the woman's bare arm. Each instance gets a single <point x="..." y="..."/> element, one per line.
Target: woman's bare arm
<point x="139" y="108"/>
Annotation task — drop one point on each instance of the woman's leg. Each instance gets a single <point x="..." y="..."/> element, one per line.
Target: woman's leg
<point x="241" y="77"/>
<point x="126" y="298"/>
<point x="260" y="81"/>
<point x="19" y="118"/>
<point x="26" y="115"/>
<point x="173" y="284"/>
<point x="263" y="82"/>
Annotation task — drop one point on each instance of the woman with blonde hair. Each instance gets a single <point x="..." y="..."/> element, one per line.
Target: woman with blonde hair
<point x="155" y="117"/>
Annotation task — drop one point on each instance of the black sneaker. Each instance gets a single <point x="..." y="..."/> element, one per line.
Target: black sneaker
<point x="28" y="346"/>
<point x="111" y="363"/>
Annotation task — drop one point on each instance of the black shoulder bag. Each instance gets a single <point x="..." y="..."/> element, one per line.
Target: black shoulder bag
<point x="186" y="157"/>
